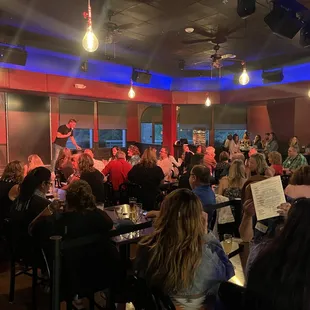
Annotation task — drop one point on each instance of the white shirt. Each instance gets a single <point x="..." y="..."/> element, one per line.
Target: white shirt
<point x="166" y="166"/>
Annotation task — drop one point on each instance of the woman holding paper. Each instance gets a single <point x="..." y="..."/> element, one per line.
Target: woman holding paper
<point x="279" y="277"/>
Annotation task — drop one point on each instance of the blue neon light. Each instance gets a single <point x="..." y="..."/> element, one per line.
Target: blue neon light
<point x="68" y="65"/>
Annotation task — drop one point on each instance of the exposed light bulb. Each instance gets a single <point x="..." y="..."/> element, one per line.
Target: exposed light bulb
<point x="244" y="77"/>
<point x="309" y="93"/>
<point x="208" y="102"/>
<point x="131" y="93"/>
<point x="90" y="41"/>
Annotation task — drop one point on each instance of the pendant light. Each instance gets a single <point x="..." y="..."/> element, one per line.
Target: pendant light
<point x="244" y="78"/>
<point x="131" y="93"/>
<point x="208" y="102"/>
<point x="90" y="41"/>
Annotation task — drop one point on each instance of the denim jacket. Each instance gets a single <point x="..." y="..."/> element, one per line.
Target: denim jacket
<point x="214" y="268"/>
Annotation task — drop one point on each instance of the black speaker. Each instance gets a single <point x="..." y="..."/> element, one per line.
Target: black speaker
<point x="141" y="77"/>
<point x="283" y="22"/>
<point x="246" y="8"/>
<point x="272" y="76"/>
<point x="304" y="39"/>
<point x="13" y="55"/>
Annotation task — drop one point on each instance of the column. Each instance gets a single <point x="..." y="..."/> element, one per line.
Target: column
<point x="133" y="122"/>
<point x="169" y="126"/>
<point x="54" y="118"/>
<point x="3" y="131"/>
<point x="96" y="128"/>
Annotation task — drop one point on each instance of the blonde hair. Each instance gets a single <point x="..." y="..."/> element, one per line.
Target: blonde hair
<point x="148" y="158"/>
<point x="260" y="162"/>
<point x="34" y="161"/>
<point x="175" y="246"/>
<point x="275" y="158"/>
<point x="236" y="175"/>
<point x="237" y="156"/>
<point x="14" y="172"/>
<point x="86" y="163"/>
<point x="63" y="158"/>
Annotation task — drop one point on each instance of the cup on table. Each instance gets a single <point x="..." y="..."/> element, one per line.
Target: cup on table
<point x="136" y="212"/>
<point x="227" y="243"/>
<point x="132" y="202"/>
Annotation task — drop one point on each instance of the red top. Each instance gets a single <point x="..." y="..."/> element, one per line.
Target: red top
<point x="118" y="170"/>
<point x="278" y="169"/>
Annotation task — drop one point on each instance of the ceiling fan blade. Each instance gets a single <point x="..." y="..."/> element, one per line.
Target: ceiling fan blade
<point x="126" y="26"/>
<point x="203" y="32"/>
<point x="228" y="56"/>
<point x="202" y="62"/>
<point x="196" y="41"/>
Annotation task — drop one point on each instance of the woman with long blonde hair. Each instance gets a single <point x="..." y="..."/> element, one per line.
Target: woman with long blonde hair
<point x="149" y="176"/>
<point x="34" y="161"/>
<point x="231" y="185"/>
<point x="180" y="257"/>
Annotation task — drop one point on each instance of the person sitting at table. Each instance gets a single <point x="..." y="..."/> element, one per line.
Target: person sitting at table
<point x="63" y="166"/>
<point x="279" y="276"/>
<point x="200" y="183"/>
<point x="230" y="186"/>
<point x="222" y="167"/>
<point x="34" y="161"/>
<point x="10" y="180"/>
<point x="246" y="141"/>
<point x="209" y="159"/>
<point x="196" y="159"/>
<point x="294" y="160"/>
<point x="114" y="150"/>
<point x="258" y="142"/>
<point x="294" y="142"/>
<point x="92" y="176"/>
<point x="299" y="184"/>
<point x="133" y="154"/>
<point x="271" y="144"/>
<point x="165" y="163"/>
<point x="234" y="145"/>
<point x="258" y="166"/>
<point x="201" y="149"/>
<point x="181" y="258"/>
<point x="98" y="164"/>
<point x="29" y="203"/>
<point x="117" y="172"/>
<point x="275" y="160"/>
<point x="149" y="176"/>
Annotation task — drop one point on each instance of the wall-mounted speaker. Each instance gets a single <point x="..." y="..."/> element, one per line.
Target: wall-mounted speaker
<point x="13" y="55"/>
<point x="141" y="77"/>
<point x="246" y="8"/>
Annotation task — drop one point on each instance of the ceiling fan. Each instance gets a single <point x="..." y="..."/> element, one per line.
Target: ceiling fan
<point x="113" y="29"/>
<point x="216" y="58"/>
<point x="218" y="36"/>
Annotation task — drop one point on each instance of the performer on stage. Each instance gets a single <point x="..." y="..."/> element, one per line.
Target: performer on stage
<point x="64" y="132"/>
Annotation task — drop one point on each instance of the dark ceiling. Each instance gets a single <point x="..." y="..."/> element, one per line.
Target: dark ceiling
<point x="155" y="39"/>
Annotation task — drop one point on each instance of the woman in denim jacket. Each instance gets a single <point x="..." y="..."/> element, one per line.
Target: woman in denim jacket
<point x="181" y="258"/>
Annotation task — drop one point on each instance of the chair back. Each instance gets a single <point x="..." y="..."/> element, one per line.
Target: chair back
<point x="88" y="264"/>
<point x="127" y="190"/>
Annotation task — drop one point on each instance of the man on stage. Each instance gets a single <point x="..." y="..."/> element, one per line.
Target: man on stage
<point x="64" y="132"/>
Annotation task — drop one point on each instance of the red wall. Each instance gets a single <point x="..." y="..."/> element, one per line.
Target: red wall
<point x="258" y="121"/>
<point x="2" y="119"/>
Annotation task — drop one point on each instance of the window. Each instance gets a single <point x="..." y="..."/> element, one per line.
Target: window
<point x="221" y="135"/>
<point x="112" y="137"/>
<point x="83" y="137"/>
<point x="152" y="133"/>
<point x="187" y="133"/>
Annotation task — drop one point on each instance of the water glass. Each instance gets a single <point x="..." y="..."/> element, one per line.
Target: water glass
<point x="227" y="243"/>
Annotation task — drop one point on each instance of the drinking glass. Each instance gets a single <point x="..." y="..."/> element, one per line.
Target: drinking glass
<point x="132" y="201"/>
<point x="227" y="243"/>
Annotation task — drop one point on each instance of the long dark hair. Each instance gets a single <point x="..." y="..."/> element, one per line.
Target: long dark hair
<point x="32" y="181"/>
<point x="280" y="277"/>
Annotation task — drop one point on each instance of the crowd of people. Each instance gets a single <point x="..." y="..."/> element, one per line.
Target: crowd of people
<point x="182" y="256"/>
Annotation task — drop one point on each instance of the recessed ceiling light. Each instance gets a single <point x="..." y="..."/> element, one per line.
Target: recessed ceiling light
<point x="189" y="29"/>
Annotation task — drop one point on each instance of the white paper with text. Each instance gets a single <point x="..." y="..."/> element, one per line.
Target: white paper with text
<point x="267" y="196"/>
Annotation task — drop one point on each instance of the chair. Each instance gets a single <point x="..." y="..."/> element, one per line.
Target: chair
<point x="232" y="296"/>
<point x="29" y="266"/>
<point x="127" y="190"/>
<point x="81" y="267"/>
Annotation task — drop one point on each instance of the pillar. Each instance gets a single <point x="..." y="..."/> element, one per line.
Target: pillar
<point x="258" y="121"/>
<point x="169" y="126"/>
<point x="133" y="122"/>
<point x="3" y="131"/>
<point x="96" y="128"/>
<point x="54" y="117"/>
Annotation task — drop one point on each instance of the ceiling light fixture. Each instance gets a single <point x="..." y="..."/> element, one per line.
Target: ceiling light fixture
<point x="244" y="78"/>
<point x="131" y="93"/>
<point x="90" y="41"/>
<point x="189" y="29"/>
<point x="208" y="102"/>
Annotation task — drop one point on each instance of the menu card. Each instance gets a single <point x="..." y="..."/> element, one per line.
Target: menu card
<point x="267" y="196"/>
